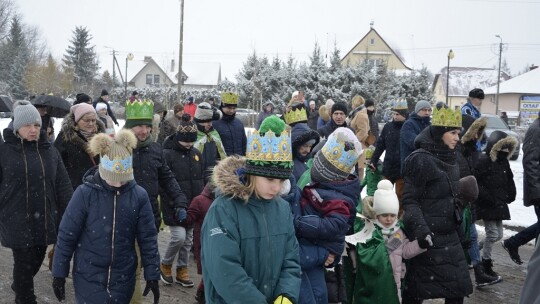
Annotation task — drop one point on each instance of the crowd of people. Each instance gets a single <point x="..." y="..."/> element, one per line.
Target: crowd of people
<point x="275" y="216"/>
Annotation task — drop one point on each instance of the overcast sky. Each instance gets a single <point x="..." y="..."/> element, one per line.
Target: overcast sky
<point x="228" y="31"/>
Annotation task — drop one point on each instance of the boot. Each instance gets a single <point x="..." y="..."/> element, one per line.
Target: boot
<point x="199" y="296"/>
<point x="513" y="252"/>
<point x="182" y="277"/>
<point x="166" y="274"/>
<point x="483" y="279"/>
<point x="488" y="267"/>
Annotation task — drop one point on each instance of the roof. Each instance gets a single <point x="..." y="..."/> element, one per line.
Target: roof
<point x="528" y="83"/>
<point x="464" y="79"/>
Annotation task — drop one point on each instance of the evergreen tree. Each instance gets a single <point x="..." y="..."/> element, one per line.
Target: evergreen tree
<point x="13" y="70"/>
<point x="81" y="58"/>
<point x="107" y="80"/>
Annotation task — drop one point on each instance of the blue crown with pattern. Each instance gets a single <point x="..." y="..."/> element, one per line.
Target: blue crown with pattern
<point x="117" y="165"/>
<point x="341" y="151"/>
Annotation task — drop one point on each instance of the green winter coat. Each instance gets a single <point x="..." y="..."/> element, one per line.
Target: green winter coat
<point x="249" y="249"/>
<point x="372" y="178"/>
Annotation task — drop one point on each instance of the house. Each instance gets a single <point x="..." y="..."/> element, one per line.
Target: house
<point x="519" y="94"/>
<point x="196" y="75"/>
<point x="374" y="49"/>
<point x="461" y="81"/>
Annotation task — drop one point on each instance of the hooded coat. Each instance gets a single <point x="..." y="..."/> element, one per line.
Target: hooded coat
<point x="411" y="128"/>
<point x="109" y="110"/>
<point x="301" y="134"/>
<point x="531" y="165"/>
<point x="249" y="248"/>
<point x="35" y="190"/>
<point x="73" y="146"/>
<point x="263" y="114"/>
<point x="195" y="217"/>
<point x="211" y="147"/>
<point x="313" y="118"/>
<point x="232" y="133"/>
<point x="496" y="187"/>
<point x="100" y="227"/>
<point x="431" y="182"/>
<point x="389" y="141"/>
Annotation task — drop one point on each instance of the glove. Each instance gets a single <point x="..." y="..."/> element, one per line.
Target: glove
<point x="282" y="300"/>
<point x="181" y="214"/>
<point x="372" y="167"/>
<point x="59" y="287"/>
<point x="154" y="287"/>
<point x="426" y="242"/>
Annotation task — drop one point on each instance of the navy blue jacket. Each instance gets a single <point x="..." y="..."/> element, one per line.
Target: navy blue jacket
<point x="100" y="226"/>
<point x="470" y="109"/>
<point x="411" y="128"/>
<point x="389" y="141"/>
<point x="233" y="135"/>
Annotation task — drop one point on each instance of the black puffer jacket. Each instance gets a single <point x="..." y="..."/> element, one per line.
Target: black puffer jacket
<point x="496" y="187"/>
<point x="34" y="191"/>
<point x="431" y="180"/>
<point x="531" y="165"/>
<point x="72" y="147"/>
<point x="232" y="133"/>
<point x="330" y="127"/>
<point x="389" y="141"/>
<point x="188" y="168"/>
<point x="152" y="172"/>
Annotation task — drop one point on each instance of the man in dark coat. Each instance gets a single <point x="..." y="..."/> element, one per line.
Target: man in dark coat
<point x="338" y="113"/>
<point x="416" y="122"/>
<point x="531" y="190"/>
<point x="231" y="129"/>
<point x="472" y="107"/>
<point x="104" y="98"/>
<point x="313" y="115"/>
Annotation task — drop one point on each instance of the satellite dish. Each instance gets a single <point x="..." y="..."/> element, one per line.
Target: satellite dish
<point x="130" y="56"/>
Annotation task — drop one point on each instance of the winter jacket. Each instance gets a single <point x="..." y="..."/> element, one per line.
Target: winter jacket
<point x="107" y="122"/>
<point x="188" y="168"/>
<point x="252" y="243"/>
<point x="109" y="110"/>
<point x="34" y="191"/>
<point x="529" y="293"/>
<point x="372" y="178"/>
<point x="72" y="146"/>
<point x="195" y="217"/>
<point x="263" y="114"/>
<point x="496" y="187"/>
<point x="211" y="147"/>
<point x="233" y="135"/>
<point x="313" y="118"/>
<point x="168" y="127"/>
<point x="152" y="172"/>
<point x="330" y="127"/>
<point x="360" y="125"/>
<point x="373" y="124"/>
<point x="531" y="165"/>
<point x="431" y="183"/>
<point x="301" y="134"/>
<point x="411" y="128"/>
<point x="389" y="141"/>
<point x="190" y="108"/>
<point x="99" y="228"/>
<point x="469" y="109"/>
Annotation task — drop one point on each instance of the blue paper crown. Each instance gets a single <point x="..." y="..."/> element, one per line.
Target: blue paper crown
<point x="117" y="165"/>
<point x="334" y="151"/>
<point x="269" y="147"/>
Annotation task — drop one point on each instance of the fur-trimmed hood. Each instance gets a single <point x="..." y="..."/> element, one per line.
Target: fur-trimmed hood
<point x="69" y="130"/>
<point x="476" y="128"/>
<point x="505" y="143"/>
<point x="323" y="113"/>
<point x="226" y="179"/>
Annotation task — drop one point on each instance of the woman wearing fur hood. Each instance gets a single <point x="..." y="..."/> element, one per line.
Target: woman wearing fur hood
<point x="248" y="232"/>
<point x="77" y="129"/>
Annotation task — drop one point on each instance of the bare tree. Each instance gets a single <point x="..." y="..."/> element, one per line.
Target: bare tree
<point x="7" y="12"/>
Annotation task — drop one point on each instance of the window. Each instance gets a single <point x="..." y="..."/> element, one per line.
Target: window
<point x="156" y="79"/>
<point x="375" y="62"/>
<point x="372" y="41"/>
<point x="149" y="78"/>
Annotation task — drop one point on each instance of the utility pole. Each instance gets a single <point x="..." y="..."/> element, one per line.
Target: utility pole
<point x="113" y="68"/>
<point x="180" y="78"/>
<point x="498" y="76"/>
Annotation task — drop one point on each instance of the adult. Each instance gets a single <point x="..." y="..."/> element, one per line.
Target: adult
<point x="78" y="127"/>
<point x="190" y="107"/>
<point x="373" y="124"/>
<point x="104" y="98"/>
<point x="431" y="176"/>
<point x="134" y="96"/>
<point x="82" y="98"/>
<point x="303" y="139"/>
<point x="416" y="122"/>
<point x="472" y="107"/>
<point x="231" y="129"/>
<point x="47" y="122"/>
<point x="313" y="115"/>
<point x="324" y="113"/>
<point x="169" y="125"/>
<point x="268" y="109"/>
<point x="104" y="218"/>
<point x="160" y="113"/>
<point x="338" y="113"/>
<point x="359" y="122"/>
<point x="531" y="190"/>
<point x="35" y="190"/>
<point x="208" y="140"/>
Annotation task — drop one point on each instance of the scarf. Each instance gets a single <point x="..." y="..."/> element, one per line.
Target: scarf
<point x="386" y="231"/>
<point x="146" y="142"/>
<point x="87" y="135"/>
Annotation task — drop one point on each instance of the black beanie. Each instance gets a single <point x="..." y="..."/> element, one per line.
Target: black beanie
<point x="104" y="92"/>
<point x="82" y="98"/>
<point x="438" y="131"/>
<point x="339" y="106"/>
<point x="369" y="102"/>
<point x="187" y="130"/>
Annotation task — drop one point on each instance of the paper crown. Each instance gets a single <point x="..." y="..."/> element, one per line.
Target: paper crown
<point x="140" y="109"/>
<point x="229" y="98"/>
<point x="400" y="104"/>
<point x="296" y="115"/>
<point x="446" y="117"/>
<point x="342" y="157"/>
<point x="117" y="165"/>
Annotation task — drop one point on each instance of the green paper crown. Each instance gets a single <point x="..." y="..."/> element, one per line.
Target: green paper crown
<point x="229" y="98"/>
<point x="140" y="109"/>
<point x="446" y="117"/>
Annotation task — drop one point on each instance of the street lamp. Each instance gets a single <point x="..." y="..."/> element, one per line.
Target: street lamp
<point x="128" y="57"/>
<point x="498" y="76"/>
<point x="181" y="49"/>
<point x="450" y="56"/>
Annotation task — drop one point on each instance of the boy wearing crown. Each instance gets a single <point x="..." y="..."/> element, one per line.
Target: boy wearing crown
<point x="231" y="129"/>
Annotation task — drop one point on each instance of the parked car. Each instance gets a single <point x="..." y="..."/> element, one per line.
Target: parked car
<point x="247" y="116"/>
<point x="494" y="122"/>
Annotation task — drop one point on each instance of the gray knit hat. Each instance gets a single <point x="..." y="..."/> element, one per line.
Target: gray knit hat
<point x="422" y="104"/>
<point x="206" y="112"/>
<point x="24" y="113"/>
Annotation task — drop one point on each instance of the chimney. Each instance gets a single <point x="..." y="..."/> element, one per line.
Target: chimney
<point x="172" y="65"/>
<point x="532" y="67"/>
<point x="147" y="58"/>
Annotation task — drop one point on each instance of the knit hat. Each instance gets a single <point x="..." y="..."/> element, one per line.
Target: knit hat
<point x="269" y="151"/>
<point x="339" y="106"/>
<point x="338" y="156"/>
<point x="24" y="113"/>
<point x="468" y="189"/>
<point x="422" y="104"/>
<point x="190" y="99"/>
<point x="385" y="200"/>
<point x="100" y="106"/>
<point x="134" y="93"/>
<point x="369" y="103"/>
<point x="104" y="92"/>
<point x="82" y="98"/>
<point x="186" y="130"/>
<point x="205" y="113"/>
<point x="81" y="109"/>
<point x="139" y="112"/>
<point x="116" y="161"/>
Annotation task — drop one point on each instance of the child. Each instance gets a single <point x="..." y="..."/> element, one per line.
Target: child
<point x="496" y="190"/>
<point x="249" y="250"/>
<point x="101" y="110"/>
<point x="381" y="252"/>
<point x="104" y="218"/>
<point x="373" y="176"/>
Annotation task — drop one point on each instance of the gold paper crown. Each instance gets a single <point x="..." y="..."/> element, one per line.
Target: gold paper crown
<point x="229" y="98"/>
<point x="269" y="148"/>
<point x="400" y="104"/>
<point x="140" y="109"/>
<point x="446" y="117"/>
<point x="296" y="115"/>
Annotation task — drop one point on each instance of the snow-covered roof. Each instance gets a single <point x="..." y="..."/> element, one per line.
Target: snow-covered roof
<point x="528" y="83"/>
<point x="464" y="79"/>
